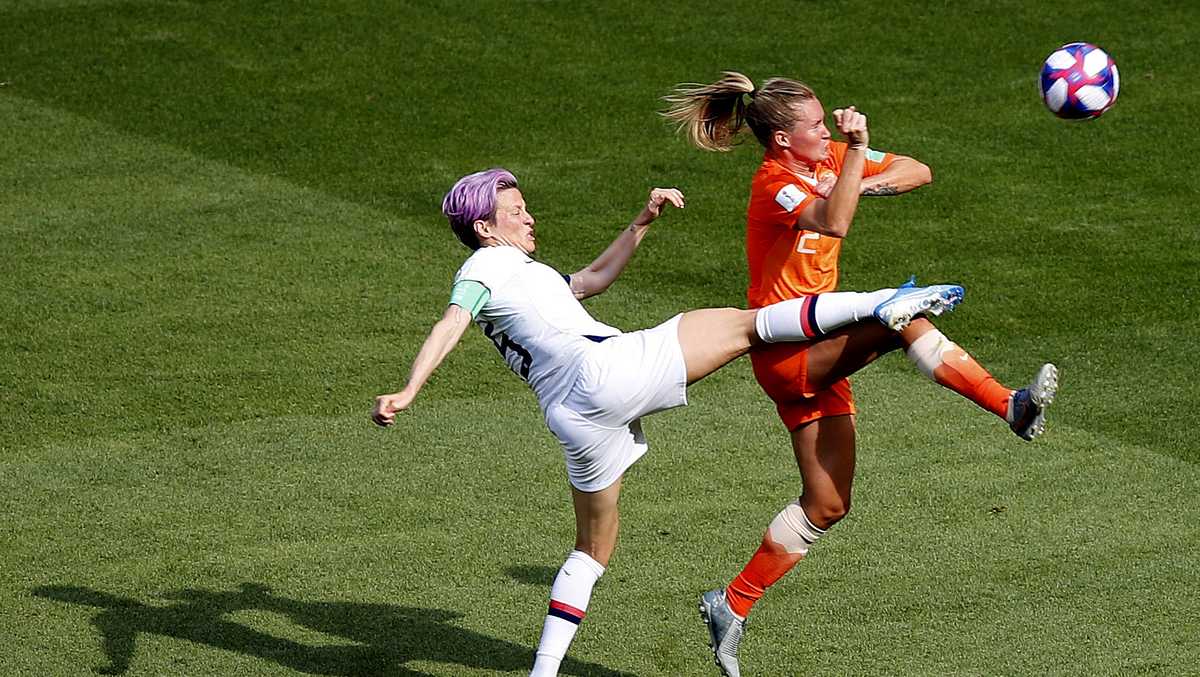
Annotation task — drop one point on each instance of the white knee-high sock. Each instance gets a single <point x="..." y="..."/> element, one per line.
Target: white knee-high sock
<point x="810" y="317"/>
<point x="569" y="598"/>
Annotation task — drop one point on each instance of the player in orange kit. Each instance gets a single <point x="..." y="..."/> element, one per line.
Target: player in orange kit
<point x="802" y="202"/>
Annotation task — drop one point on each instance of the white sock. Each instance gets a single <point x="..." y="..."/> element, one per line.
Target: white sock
<point x="840" y="308"/>
<point x="569" y="598"/>
<point x="810" y="317"/>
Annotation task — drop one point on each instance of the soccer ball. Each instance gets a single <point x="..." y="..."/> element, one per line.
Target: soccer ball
<point x="1079" y="81"/>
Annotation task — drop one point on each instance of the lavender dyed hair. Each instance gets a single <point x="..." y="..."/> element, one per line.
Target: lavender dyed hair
<point x="473" y="198"/>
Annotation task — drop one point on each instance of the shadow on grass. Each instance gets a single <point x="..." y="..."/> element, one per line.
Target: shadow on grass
<point x="384" y="636"/>
<point x="533" y="575"/>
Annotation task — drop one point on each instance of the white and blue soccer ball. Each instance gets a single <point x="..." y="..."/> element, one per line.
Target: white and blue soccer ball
<point x="1079" y="81"/>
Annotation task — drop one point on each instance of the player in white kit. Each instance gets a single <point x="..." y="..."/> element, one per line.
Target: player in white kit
<point x="593" y="381"/>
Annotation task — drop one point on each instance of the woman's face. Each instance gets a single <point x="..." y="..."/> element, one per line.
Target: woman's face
<point x="512" y="224"/>
<point x="808" y="139"/>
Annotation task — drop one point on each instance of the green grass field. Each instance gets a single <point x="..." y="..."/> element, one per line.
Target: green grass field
<point x="221" y="238"/>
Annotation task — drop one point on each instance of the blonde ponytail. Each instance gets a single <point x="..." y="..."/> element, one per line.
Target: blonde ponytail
<point x="712" y="115"/>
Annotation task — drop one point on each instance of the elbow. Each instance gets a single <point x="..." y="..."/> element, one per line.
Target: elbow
<point x="588" y="283"/>
<point x="837" y="228"/>
<point x="599" y="288"/>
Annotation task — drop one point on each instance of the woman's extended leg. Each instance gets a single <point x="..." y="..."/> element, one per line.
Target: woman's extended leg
<point x="596" y="526"/>
<point x="844" y="352"/>
<point x="848" y="350"/>
<point x="713" y="337"/>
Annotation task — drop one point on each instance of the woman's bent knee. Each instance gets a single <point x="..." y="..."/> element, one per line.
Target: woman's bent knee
<point x="824" y="514"/>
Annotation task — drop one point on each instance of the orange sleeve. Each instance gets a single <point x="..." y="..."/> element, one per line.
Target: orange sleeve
<point x="778" y="201"/>
<point x="784" y="262"/>
<point x="877" y="161"/>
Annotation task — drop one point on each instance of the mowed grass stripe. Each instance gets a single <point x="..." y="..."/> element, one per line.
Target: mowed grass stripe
<point x="149" y="288"/>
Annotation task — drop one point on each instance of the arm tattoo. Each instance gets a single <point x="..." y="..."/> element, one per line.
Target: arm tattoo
<point x="881" y="189"/>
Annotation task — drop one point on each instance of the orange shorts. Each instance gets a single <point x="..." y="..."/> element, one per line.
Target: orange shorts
<point x="782" y="371"/>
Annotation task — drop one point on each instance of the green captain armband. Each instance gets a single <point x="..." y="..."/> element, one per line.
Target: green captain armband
<point x="470" y="295"/>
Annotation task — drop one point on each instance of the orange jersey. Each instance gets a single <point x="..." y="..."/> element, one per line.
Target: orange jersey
<point x="785" y="261"/>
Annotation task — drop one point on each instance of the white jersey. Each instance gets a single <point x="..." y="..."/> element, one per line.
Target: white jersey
<point x="533" y="318"/>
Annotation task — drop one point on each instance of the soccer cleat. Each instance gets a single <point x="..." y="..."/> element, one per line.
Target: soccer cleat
<point x="724" y="631"/>
<point x="910" y="301"/>
<point x="1027" y="408"/>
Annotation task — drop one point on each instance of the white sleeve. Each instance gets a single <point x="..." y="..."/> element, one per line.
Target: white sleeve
<point x="492" y="266"/>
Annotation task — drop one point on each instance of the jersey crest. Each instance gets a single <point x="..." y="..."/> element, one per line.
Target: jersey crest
<point x="789" y="197"/>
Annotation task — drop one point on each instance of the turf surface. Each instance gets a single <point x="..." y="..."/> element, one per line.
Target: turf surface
<point x="221" y="239"/>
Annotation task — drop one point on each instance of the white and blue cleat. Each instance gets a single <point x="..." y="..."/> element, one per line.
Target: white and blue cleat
<point x="724" y="631"/>
<point x="910" y="301"/>
<point x="1027" y="408"/>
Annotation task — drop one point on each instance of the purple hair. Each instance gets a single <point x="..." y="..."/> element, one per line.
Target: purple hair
<point x="473" y="198"/>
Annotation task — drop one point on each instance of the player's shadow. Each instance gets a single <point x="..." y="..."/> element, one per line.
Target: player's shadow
<point x="381" y="638"/>
<point x="532" y="575"/>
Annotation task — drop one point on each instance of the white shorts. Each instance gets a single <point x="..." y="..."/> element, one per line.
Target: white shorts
<point x="620" y="380"/>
